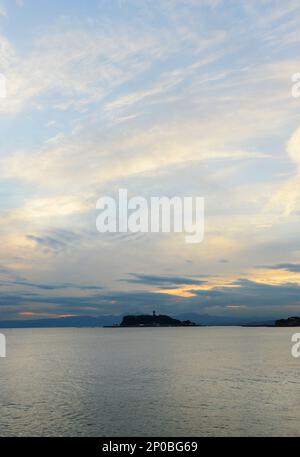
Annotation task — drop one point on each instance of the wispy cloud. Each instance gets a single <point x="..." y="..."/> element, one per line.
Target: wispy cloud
<point x="3" y="11"/>
<point x="164" y="98"/>
<point x="163" y="280"/>
<point x="293" y="267"/>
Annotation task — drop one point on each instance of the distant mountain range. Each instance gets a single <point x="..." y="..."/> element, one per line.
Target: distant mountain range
<point x="65" y="322"/>
<point x="206" y="319"/>
<point x="101" y="321"/>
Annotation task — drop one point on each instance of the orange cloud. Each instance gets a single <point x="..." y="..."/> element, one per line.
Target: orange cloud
<point x="181" y="292"/>
<point x="188" y="291"/>
<point x="33" y="314"/>
<point x="235" y="306"/>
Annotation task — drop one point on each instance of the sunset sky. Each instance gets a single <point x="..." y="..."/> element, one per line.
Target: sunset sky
<point x="163" y="98"/>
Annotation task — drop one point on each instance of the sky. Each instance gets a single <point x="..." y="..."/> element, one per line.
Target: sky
<point x="165" y="98"/>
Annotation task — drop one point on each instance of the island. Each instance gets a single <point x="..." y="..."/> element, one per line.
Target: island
<point x="289" y="322"/>
<point x="154" y="320"/>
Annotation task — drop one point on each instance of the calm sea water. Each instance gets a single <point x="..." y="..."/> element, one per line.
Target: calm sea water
<point x="150" y="382"/>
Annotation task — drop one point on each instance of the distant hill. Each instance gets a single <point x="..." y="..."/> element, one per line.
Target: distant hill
<point x="64" y="322"/>
<point x="206" y="319"/>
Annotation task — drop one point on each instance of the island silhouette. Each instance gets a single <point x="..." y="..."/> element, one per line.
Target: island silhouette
<point x="154" y="320"/>
<point x="289" y="322"/>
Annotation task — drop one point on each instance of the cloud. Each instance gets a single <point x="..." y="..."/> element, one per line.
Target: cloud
<point x="36" y="209"/>
<point x="57" y="286"/>
<point x="57" y="239"/>
<point x="163" y="280"/>
<point x="31" y="314"/>
<point x="292" y="267"/>
<point x="171" y="99"/>
<point x="71" y="67"/>
<point x="287" y="198"/>
<point x="293" y="148"/>
<point x="3" y="11"/>
<point x="48" y="242"/>
<point x="244" y="296"/>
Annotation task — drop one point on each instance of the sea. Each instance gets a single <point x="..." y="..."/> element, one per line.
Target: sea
<point x="152" y="382"/>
